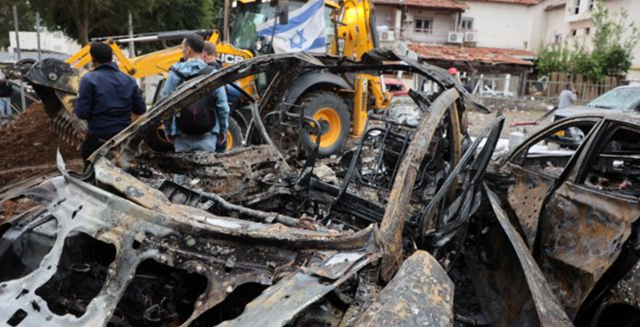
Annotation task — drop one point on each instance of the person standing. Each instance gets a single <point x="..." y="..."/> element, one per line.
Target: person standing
<point x="209" y="56"/>
<point x="567" y="97"/>
<point x="106" y="99"/>
<point x="188" y="132"/>
<point x="5" y="99"/>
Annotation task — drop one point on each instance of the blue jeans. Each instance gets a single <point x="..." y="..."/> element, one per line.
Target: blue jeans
<point x="5" y="108"/>
<point x="191" y="143"/>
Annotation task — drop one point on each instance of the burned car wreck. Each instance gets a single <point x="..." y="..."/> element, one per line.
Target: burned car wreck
<point x="254" y="237"/>
<point x="577" y="210"/>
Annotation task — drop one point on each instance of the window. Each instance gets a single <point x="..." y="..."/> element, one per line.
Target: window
<point x="424" y="25"/>
<point x="557" y="39"/>
<point x="552" y="151"/>
<point x="466" y="24"/>
<point x="616" y="168"/>
<point x="587" y="31"/>
<point x="576" y="7"/>
<point x="592" y="4"/>
<point x="574" y="32"/>
<point x="622" y="98"/>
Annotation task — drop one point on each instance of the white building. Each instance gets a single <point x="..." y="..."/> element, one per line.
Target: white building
<point x="49" y="41"/>
<point x="497" y="33"/>
<point x="482" y="38"/>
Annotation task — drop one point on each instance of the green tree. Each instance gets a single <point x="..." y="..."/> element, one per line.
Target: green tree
<point x="84" y="19"/>
<point x="614" y="39"/>
<point x="586" y="64"/>
<point x="172" y="15"/>
<point x="553" y="58"/>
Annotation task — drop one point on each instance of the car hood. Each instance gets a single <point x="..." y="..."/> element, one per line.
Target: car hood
<point x="585" y="110"/>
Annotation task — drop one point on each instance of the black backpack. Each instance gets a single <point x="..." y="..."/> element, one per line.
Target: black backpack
<point x="199" y="117"/>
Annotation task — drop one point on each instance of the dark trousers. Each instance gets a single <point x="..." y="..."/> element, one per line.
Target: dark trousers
<point x="93" y="142"/>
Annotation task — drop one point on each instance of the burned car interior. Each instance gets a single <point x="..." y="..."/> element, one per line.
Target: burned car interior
<point x="406" y="227"/>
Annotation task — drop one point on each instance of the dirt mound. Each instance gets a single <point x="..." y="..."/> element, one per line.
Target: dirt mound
<point x="28" y="147"/>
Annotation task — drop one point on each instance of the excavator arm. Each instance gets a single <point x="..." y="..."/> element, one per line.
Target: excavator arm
<point x="356" y="35"/>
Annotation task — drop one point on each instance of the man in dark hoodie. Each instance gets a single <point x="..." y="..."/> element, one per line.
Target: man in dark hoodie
<point x="106" y="99"/>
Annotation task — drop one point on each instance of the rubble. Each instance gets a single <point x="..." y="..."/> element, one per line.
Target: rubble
<point x="28" y="146"/>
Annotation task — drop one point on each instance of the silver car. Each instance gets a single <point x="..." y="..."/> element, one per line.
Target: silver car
<point x="623" y="99"/>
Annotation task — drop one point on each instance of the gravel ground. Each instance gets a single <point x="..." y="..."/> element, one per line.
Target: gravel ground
<point x="478" y="121"/>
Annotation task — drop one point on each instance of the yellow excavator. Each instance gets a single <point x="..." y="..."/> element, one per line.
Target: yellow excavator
<point x="339" y="103"/>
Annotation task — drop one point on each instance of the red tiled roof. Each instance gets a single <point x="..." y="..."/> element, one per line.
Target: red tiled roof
<point x="517" y="2"/>
<point x="439" y="4"/>
<point x="494" y="56"/>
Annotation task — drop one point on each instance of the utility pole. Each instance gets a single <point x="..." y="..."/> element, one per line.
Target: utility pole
<point x="17" y="26"/>
<point x="132" y="49"/>
<point x="225" y="28"/>
<point x="38" y="35"/>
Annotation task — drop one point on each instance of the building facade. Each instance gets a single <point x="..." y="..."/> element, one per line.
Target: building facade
<point x="570" y="21"/>
<point x="493" y="32"/>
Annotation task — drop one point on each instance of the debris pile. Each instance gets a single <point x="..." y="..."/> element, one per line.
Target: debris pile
<point x="28" y="146"/>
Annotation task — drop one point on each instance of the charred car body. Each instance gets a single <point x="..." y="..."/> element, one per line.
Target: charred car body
<point x="253" y="237"/>
<point x="577" y="210"/>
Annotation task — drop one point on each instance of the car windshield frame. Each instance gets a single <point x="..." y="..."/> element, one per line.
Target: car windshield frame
<point x="624" y="98"/>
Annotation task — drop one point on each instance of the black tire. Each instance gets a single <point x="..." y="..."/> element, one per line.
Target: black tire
<point x="234" y="134"/>
<point x="157" y="141"/>
<point x="321" y="104"/>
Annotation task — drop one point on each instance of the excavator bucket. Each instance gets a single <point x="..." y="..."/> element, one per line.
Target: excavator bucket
<point x="57" y="84"/>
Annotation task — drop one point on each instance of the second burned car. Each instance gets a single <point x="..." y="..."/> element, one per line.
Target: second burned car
<point x="577" y="210"/>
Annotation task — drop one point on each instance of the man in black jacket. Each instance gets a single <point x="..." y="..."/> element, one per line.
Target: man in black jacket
<point x="106" y="99"/>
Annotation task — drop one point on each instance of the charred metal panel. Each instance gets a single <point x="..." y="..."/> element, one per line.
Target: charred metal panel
<point x="581" y="236"/>
<point x="395" y="214"/>
<point x="532" y="303"/>
<point x="420" y="294"/>
<point x="234" y="172"/>
<point x="229" y="252"/>
<point x="526" y="197"/>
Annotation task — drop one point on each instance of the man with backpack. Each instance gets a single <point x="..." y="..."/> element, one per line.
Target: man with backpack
<point x="203" y="124"/>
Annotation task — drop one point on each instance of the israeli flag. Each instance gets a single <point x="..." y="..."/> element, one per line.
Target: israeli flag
<point x="304" y="31"/>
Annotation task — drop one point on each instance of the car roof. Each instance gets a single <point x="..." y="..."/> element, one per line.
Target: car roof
<point x="621" y="117"/>
<point x="628" y="87"/>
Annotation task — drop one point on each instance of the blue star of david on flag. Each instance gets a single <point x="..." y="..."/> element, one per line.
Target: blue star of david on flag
<point x="301" y="40"/>
<point x="305" y="30"/>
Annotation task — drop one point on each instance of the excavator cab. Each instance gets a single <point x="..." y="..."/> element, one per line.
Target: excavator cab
<point x="247" y="16"/>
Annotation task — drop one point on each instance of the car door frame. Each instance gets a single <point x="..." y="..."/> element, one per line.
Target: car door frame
<point x="571" y="209"/>
<point x="536" y="197"/>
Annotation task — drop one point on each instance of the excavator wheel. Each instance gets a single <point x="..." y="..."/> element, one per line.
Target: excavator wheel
<point x="157" y="140"/>
<point x="234" y="134"/>
<point x="332" y="114"/>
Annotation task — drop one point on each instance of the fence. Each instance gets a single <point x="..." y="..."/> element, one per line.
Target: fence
<point x="547" y="88"/>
